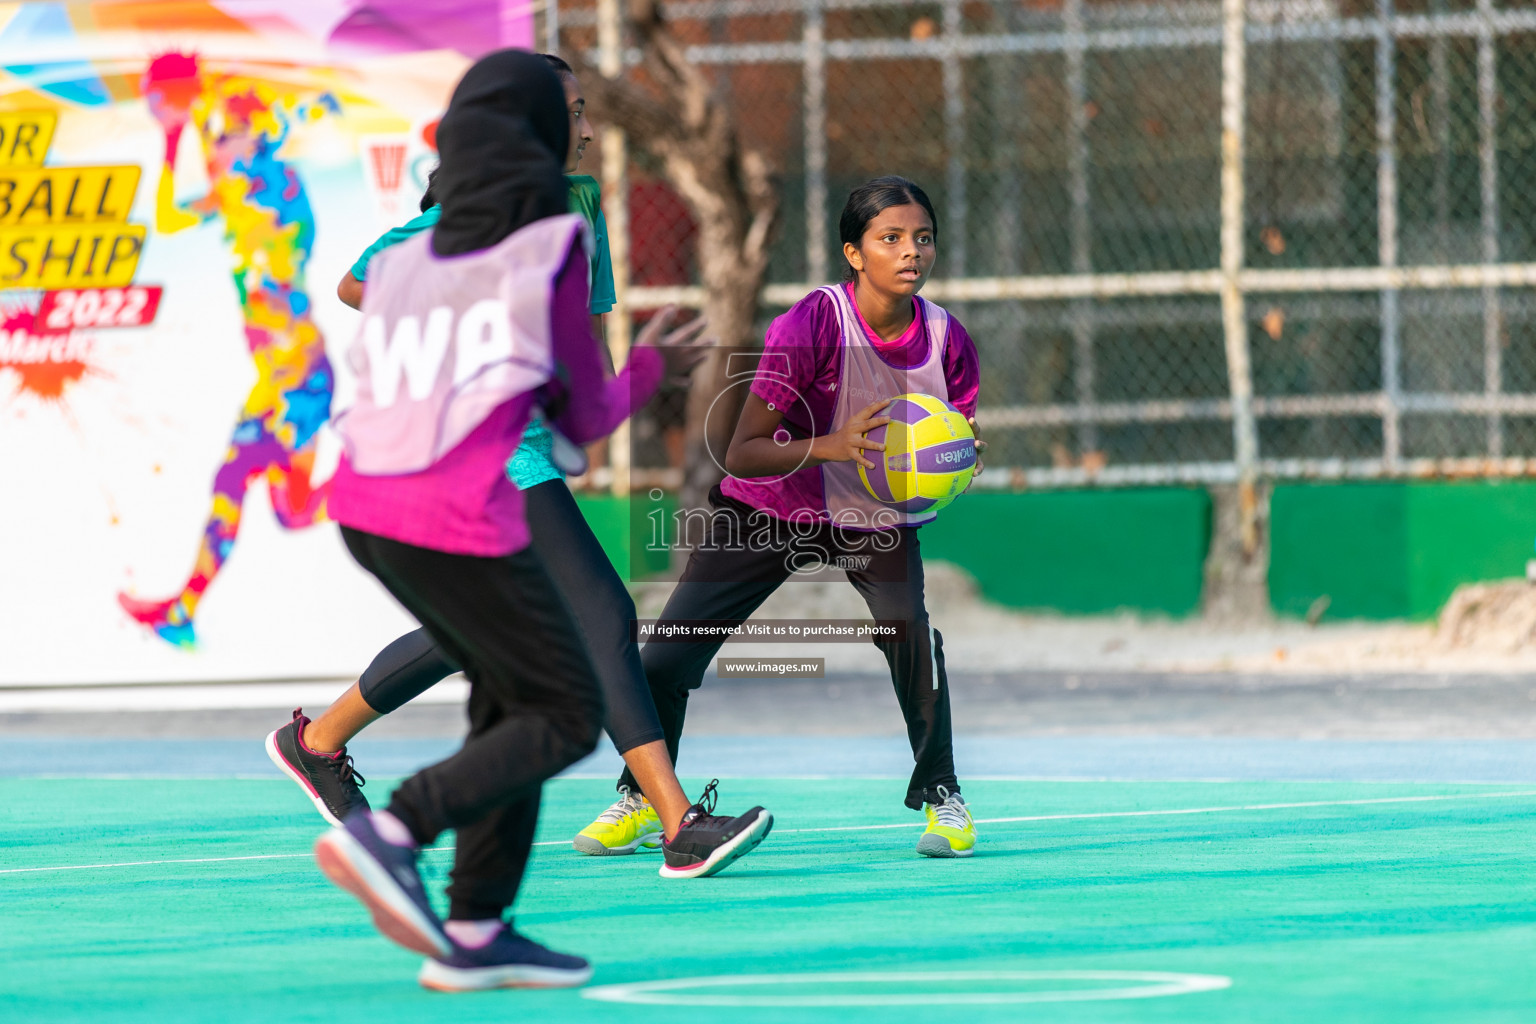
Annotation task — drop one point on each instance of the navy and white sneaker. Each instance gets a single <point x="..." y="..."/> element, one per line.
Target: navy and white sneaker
<point x="706" y="843"/>
<point x="384" y="878"/>
<point x="329" y="780"/>
<point x="509" y="960"/>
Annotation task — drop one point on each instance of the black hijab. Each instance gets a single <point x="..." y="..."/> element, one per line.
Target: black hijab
<point x="503" y="144"/>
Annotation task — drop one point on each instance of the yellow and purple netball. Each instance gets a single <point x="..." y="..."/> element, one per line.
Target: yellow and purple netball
<point x="930" y="454"/>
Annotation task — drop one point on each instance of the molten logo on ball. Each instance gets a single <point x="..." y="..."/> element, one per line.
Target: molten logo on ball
<point x="930" y="454"/>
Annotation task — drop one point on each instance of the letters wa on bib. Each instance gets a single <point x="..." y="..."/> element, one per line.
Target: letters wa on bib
<point x="423" y="386"/>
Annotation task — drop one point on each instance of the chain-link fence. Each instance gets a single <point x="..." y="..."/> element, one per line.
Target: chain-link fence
<point x="1194" y="241"/>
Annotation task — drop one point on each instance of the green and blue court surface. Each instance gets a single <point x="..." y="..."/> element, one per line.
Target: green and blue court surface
<point x="1323" y="882"/>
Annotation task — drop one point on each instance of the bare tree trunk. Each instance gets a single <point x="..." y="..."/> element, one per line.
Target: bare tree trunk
<point x="731" y="287"/>
<point x="733" y="192"/>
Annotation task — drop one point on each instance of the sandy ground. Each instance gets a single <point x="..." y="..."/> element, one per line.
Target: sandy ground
<point x="1474" y="674"/>
<point x="983" y="637"/>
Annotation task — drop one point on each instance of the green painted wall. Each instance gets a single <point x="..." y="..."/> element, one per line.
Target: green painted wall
<point x="1345" y="541"/>
<point x="622" y="527"/>
<point x="1081" y="552"/>
<point x="1394" y="550"/>
<point x="1071" y="551"/>
<point x="1376" y="550"/>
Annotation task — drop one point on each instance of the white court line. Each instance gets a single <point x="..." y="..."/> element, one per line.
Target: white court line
<point x="867" y="828"/>
<point x="146" y="863"/>
<point x="1119" y="780"/>
<point x="1235" y="780"/>
<point x="1188" y="810"/>
<point x="676" y="991"/>
<point x="208" y="860"/>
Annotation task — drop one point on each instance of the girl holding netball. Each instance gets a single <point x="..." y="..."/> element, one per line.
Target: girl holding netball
<point x="793" y="499"/>
<point x="465" y="329"/>
<point x="694" y="841"/>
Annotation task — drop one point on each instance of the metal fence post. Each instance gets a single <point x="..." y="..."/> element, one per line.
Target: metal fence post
<point x="954" y="140"/>
<point x="619" y="322"/>
<point x="1234" y="313"/>
<point x="1079" y="226"/>
<point x="1387" y="233"/>
<point x="814" y="75"/>
<point x="1440" y="106"/>
<point x="1487" y="147"/>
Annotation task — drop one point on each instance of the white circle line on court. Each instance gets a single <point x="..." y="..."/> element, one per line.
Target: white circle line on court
<point x="905" y="824"/>
<point x="682" y="991"/>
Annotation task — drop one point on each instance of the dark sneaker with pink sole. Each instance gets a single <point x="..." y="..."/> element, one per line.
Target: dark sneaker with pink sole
<point x="330" y="781"/>
<point x="509" y="960"/>
<point x="384" y="879"/>
<point x="707" y="842"/>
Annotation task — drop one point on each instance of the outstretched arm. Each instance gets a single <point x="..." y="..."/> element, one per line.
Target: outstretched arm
<point x="598" y="402"/>
<point x="170" y="216"/>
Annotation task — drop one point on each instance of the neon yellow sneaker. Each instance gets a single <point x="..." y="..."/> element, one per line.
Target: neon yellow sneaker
<point x="629" y="825"/>
<point x="950" y="831"/>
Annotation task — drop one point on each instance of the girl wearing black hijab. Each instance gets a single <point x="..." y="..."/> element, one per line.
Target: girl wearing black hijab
<point x="464" y="331"/>
<point x="651" y="812"/>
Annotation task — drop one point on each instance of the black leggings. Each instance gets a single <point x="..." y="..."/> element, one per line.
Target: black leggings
<point x="603" y="608"/>
<point x="734" y="572"/>
<point x="534" y="707"/>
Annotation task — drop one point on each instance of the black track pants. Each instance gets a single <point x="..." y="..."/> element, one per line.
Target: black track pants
<point x="586" y="579"/>
<point x="727" y="579"/>
<point x="535" y="707"/>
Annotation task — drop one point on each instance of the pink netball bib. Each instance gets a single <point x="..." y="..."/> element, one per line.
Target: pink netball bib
<point x="445" y="340"/>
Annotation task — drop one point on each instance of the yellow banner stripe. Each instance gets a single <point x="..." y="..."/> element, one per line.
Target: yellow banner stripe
<point x="89" y="256"/>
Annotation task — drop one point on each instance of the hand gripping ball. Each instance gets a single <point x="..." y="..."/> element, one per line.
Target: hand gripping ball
<point x="930" y="454"/>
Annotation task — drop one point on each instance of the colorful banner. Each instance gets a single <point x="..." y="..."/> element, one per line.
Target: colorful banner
<point x="182" y="185"/>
